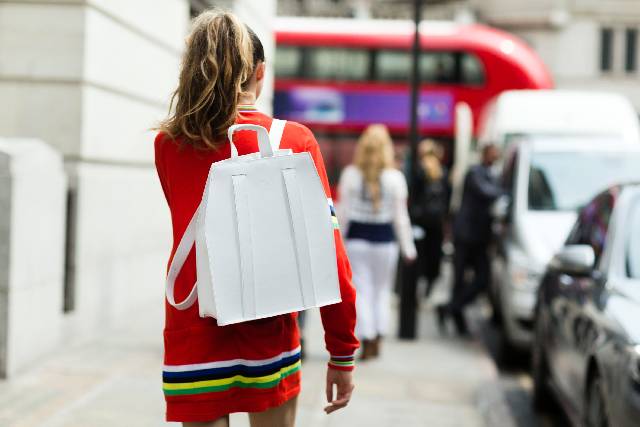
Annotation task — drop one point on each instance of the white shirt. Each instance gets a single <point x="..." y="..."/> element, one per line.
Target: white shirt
<point x="353" y="206"/>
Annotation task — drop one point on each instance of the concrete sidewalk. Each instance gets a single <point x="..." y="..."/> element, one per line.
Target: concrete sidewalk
<point x="116" y="381"/>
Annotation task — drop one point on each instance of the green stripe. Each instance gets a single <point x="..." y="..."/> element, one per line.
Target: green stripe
<point x="226" y="387"/>
<point x="335" y="362"/>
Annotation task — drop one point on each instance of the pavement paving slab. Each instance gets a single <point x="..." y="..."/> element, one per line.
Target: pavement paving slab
<point x="115" y="380"/>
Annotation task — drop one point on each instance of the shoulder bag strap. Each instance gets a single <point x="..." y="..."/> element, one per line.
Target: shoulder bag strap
<point x="178" y="260"/>
<point x="275" y="133"/>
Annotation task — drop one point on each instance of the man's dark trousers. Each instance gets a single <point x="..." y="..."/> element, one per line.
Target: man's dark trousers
<point x="474" y="255"/>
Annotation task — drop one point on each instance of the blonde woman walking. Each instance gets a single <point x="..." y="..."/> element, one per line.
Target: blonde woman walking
<point x="374" y="218"/>
<point x="209" y="370"/>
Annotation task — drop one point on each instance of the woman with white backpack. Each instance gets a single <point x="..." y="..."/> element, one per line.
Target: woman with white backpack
<point x="210" y="370"/>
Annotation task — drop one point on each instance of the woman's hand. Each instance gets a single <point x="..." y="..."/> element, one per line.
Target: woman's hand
<point x="343" y="380"/>
<point x="408" y="260"/>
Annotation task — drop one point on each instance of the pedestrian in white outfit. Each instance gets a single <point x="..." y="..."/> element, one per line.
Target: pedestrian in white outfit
<point x="374" y="219"/>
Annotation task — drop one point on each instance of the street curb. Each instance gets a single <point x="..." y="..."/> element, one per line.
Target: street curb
<point x="492" y="405"/>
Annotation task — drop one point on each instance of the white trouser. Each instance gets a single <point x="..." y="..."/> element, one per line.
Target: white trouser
<point x="374" y="269"/>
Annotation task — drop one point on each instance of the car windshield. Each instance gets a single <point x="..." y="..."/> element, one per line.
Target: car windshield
<point x="633" y="246"/>
<point x="562" y="181"/>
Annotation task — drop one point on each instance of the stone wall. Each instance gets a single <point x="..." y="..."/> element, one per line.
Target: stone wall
<point x="32" y="228"/>
<point x="91" y="78"/>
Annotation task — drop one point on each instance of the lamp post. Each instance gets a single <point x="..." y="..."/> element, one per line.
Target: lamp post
<point x="409" y="273"/>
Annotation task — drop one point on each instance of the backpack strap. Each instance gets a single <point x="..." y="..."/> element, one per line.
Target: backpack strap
<point x="275" y="133"/>
<point x="178" y="260"/>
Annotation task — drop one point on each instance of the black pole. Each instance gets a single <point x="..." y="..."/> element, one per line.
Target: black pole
<point x="409" y="273"/>
<point x="414" y="134"/>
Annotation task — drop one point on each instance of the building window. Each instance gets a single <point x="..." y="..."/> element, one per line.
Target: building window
<point x="606" y="49"/>
<point x="631" y="53"/>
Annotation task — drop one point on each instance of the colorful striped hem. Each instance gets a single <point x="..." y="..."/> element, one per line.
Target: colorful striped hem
<point x="223" y="375"/>
<point x="334" y="217"/>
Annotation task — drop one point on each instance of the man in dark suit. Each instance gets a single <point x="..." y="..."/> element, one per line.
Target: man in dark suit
<point x="472" y="236"/>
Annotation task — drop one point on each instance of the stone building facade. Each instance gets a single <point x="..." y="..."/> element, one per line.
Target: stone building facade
<point x="91" y="78"/>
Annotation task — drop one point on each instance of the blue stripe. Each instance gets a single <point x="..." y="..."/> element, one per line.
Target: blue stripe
<point x="371" y="232"/>
<point x="234" y="369"/>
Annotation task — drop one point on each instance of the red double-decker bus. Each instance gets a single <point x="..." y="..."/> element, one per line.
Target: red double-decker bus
<point x="339" y="75"/>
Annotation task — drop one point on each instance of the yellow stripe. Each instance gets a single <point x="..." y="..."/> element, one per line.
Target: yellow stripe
<point x="236" y="378"/>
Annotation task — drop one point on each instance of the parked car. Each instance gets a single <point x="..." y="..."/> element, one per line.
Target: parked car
<point x="548" y="179"/>
<point x="586" y="349"/>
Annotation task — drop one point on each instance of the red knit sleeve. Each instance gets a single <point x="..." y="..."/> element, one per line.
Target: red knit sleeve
<point x="338" y="320"/>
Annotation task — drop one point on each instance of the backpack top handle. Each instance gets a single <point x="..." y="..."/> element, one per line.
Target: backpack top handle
<point x="264" y="144"/>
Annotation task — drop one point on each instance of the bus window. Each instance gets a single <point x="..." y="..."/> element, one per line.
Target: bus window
<point x="438" y="67"/>
<point x="435" y="67"/>
<point x="288" y="62"/>
<point x="471" y="70"/>
<point x="393" y="65"/>
<point x="337" y="64"/>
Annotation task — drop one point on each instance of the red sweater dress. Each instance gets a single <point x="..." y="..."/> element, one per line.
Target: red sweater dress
<point x="210" y="370"/>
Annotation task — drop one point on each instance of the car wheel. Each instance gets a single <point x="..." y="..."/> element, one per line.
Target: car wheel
<point x="596" y="413"/>
<point x="542" y="398"/>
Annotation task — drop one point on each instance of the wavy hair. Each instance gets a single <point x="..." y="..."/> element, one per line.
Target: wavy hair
<point x="217" y="62"/>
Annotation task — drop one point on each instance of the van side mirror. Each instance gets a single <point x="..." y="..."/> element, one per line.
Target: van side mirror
<point x="576" y="259"/>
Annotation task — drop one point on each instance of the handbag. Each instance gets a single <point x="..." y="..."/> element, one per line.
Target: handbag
<point x="263" y="236"/>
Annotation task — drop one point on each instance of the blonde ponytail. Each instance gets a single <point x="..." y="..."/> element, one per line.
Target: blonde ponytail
<point x="374" y="153"/>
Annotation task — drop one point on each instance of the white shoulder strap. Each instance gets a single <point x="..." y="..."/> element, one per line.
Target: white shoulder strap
<point x="275" y="133"/>
<point x="178" y="260"/>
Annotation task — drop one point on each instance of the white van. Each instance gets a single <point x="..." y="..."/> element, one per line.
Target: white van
<point x="517" y="113"/>
<point x="559" y="150"/>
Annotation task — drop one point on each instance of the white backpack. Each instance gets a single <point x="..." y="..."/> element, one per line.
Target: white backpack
<point x="263" y="235"/>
